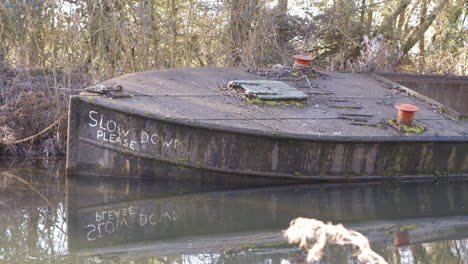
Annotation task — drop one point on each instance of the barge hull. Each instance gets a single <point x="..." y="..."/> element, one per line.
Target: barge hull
<point x="106" y="139"/>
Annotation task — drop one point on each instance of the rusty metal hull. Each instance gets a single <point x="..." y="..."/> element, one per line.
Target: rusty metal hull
<point x="107" y="139"/>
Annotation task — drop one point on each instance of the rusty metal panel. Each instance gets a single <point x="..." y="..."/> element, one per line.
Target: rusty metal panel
<point x="270" y="90"/>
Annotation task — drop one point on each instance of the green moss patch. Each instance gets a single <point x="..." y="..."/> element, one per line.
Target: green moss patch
<point x="182" y="168"/>
<point x="298" y="103"/>
<point x="178" y="159"/>
<point x="415" y="128"/>
<point x="408" y="227"/>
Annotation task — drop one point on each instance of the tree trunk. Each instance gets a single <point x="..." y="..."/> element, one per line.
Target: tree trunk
<point x="388" y="22"/>
<point x="422" y="46"/>
<point x="173" y="12"/>
<point x="282" y="6"/>
<point x="282" y="22"/>
<point x="369" y="17"/>
<point x="363" y="12"/>
<point x="406" y="22"/>
<point x="236" y="33"/>
<point x="417" y="33"/>
<point x="155" y="35"/>
<point x="241" y="16"/>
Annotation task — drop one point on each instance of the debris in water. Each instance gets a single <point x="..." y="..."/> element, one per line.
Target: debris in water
<point x="314" y="235"/>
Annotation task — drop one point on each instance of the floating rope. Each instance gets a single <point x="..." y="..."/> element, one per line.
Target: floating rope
<point x="12" y="142"/>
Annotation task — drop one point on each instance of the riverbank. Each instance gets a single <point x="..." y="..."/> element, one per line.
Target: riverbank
<point x="31" y="101"/>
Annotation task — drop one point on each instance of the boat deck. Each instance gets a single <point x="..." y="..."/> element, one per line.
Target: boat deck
<point x="184" y="123"/>
<point x="340" y="104"/>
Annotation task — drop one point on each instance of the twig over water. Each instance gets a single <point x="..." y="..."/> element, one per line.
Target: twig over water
<point x="7" y="174"/>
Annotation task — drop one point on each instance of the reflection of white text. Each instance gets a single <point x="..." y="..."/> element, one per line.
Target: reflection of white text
<point x="109" y="221"/>
<point x="112" y="221"/>
<point x="155" y="218"/>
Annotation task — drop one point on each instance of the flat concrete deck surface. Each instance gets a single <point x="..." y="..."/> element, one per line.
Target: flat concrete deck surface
<point x="337" y="102"/>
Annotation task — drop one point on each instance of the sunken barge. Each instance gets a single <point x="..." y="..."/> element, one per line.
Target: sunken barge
<point x="235" y="124"/>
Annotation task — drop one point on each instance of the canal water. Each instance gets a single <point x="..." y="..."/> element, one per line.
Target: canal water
<point x="48" y="217"/>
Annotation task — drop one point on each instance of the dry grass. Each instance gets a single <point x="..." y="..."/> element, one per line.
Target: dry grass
<point x="375" y="56"/>
<point x="29" y="103"/>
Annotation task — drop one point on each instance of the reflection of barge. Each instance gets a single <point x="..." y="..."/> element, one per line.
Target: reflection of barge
<point x="164" y="218"/>
<point x="181" y="117"/>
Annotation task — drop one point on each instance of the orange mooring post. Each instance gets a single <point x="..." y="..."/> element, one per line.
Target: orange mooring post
<point x="303" y="59"/>
<point x="401" y="238"/>
<point x="406" y="113"/>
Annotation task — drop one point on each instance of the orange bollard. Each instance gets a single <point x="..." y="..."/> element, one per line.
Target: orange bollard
<point x="303" y="59"/>
<point x="405" y="113"/>
<point x="401" y="238"/>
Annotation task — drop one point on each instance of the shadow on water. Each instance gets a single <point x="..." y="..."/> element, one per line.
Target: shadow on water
<point x="111" y="220"/>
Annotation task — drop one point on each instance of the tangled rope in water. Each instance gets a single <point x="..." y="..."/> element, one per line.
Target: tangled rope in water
<point x="314" y="235"/>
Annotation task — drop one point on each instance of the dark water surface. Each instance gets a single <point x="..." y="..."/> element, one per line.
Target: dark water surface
<point x="49" y="218"/>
